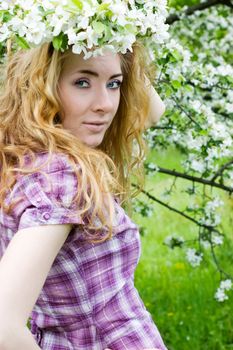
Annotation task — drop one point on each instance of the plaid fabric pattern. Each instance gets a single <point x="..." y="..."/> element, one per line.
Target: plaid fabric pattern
<point x="88" y="301"/>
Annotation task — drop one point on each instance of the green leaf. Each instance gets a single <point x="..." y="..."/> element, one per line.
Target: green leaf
<point x="103" y="7"/>
<point x="176" y="84"/>
<point x="5" y="16"/>
<point x="98" y="27"/>
<point x="22" y="42"/>
<point x="168" y="91"/>
<point x="220" y="33"/>
<point x="60" y="42"/>
<point x="188" y="88"/>
<point x="230" y="79"/>
<point x="48" y="12"/>
<point x="176" y="54"/>
<point x="130" y="28"/>
<point x="78" y="4"/>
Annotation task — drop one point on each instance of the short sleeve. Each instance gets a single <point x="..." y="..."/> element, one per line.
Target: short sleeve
<point x="47" y="196"/>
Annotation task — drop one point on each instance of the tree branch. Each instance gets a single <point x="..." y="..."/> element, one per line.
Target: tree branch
<point x="222" y="272"/>
<point x="208" y="227"/>
<point x="158" y="127"/>
<point x="198" y="7"/>
<point x="167" y="205"/>
<point x="185" y="112"/>
<point x="154" y="199"/>
<point x="221" y="170"/>
<point x="211" y="182"/>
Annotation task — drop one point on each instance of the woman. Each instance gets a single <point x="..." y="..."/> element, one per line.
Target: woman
<point x="67" y="130"/>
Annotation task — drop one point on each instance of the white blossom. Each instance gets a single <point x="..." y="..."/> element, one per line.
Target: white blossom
<point x="86" y="25"/>
<point x="198" y="165"/>
<point x="227" y="284"/>
<point x="193" y="257"/>
<point x="217" y="240"/>
<point x="4" y="5"/>
<point x="220" y="295"/>
<point x="213" y="204"/>
<point x="173" y="240"/>
<point x="4" y="32"/>
<point x="152" y="167"/>
<point x="205" y="244"/>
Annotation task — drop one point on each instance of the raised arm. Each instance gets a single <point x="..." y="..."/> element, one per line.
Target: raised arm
<point x="23" y="271"/>
<point x="156" y="108"/>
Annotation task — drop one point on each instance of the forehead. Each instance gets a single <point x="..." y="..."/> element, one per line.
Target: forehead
<point x="109" y="63"/>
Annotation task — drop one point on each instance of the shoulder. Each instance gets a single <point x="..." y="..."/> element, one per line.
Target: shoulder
<point x="49" y="162"/>
<point x="47" y="194"/>
<point x="52" y="173"/>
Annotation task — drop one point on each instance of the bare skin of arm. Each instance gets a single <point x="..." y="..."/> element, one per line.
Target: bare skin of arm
<point x="23" y="271"/>
<point x="156" y="108"/>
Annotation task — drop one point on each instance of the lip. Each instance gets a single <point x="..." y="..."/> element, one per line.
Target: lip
<point x="95" y="127"/>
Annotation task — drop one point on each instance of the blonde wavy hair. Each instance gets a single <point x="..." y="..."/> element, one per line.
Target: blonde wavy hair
<point x="28" y="124"/>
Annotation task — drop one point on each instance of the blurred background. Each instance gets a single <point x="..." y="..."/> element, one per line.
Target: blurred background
<point x="185" y="214"/>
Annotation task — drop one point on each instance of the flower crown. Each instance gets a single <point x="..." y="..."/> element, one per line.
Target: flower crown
<point x="88" y="26"/>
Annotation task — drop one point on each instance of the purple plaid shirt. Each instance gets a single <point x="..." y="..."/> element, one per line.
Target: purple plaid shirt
<point x="88" y="301"/>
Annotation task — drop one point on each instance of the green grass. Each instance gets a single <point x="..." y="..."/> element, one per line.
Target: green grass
<point x="180" y="297"/>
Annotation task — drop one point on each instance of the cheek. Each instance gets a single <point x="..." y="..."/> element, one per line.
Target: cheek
<point x="70" y="104"/>
<point x="66" y="94"/>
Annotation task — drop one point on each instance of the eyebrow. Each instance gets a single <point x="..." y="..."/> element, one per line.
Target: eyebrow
<point x="95" y="74"/>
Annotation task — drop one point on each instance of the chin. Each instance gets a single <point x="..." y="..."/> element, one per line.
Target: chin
<point x="93" y="142"/>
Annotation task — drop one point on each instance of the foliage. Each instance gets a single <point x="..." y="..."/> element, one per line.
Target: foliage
<point x="179" y="4"/>
<point x="195" y="78"/>
<point x="179" y="296"/>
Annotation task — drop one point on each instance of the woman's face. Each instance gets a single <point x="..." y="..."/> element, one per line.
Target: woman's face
<point x="89" y="91"/>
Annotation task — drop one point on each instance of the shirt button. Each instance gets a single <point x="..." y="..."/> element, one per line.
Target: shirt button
<point x="46" y="216"/>
<point x="38" y="200"/>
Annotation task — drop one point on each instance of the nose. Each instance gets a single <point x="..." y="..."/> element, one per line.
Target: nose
<point x="103" y="101"/>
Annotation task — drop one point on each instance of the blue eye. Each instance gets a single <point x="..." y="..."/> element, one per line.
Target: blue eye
<point x="115" y="84"/>
<point x="81" y="83"/>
